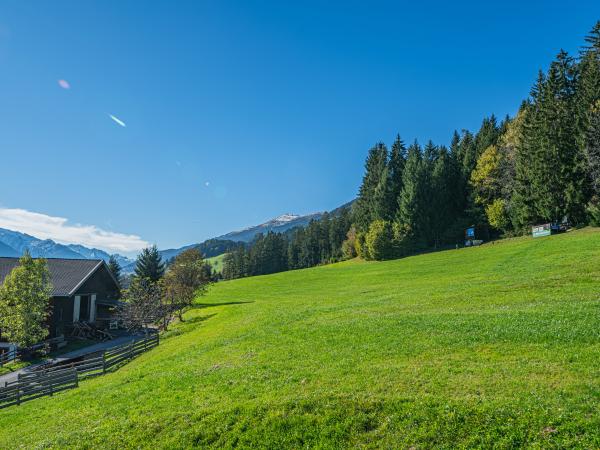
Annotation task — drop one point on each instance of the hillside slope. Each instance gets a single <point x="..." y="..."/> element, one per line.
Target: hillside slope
<point x="491" y="346"/>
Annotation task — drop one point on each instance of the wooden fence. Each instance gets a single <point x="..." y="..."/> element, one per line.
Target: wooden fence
<point x="6" y="357"/>
<point x="37" y="386"/>
<point x="47" y="380"/>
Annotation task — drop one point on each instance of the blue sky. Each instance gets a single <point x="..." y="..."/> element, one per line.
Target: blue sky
<point x="273" y="104"/>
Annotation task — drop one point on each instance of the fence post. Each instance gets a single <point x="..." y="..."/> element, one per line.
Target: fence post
<point x="103" y="362"/>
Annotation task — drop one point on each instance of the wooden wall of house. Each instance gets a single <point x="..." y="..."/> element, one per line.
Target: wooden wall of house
<point x="61" y="315"/>
<point x="100" y="283"/>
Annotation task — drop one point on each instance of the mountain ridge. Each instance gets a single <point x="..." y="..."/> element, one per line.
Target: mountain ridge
<point x="14" y="243"/>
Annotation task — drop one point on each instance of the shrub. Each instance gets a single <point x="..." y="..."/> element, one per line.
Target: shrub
<point x="496" y="214"/>
<point x="349" y="250"/>
<point x="379" y="240"/>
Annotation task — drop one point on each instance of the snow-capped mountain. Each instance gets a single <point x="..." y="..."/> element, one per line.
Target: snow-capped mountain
<point x="14" y="243"/>
<point x="279" y="224"/>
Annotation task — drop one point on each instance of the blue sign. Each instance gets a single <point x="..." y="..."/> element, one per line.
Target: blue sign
<point x="471" y="232"/>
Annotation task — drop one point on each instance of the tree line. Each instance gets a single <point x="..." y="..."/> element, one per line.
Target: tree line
<point x="320" y="242"/>
<point x="543" y="165"/>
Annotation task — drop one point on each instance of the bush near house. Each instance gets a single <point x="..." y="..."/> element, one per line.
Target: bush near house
<point x="24" y="302"/>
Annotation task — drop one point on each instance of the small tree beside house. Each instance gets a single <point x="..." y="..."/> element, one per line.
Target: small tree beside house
<point x="143" y="304"/>
<point x="155" y="297"/>
<point x="186" y="278"/>
<point x="24" y="302"/>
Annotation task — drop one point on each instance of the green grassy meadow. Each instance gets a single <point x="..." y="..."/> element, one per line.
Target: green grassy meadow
<point x="216" y="262"/>
<point x="489" y="347"/>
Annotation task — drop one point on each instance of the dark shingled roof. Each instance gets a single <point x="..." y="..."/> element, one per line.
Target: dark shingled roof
<point x="66" y="274"/>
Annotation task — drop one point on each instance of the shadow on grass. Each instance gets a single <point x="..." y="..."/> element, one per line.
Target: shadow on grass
<point x="197" y="319"/>
<point x="211" y="305"/>
<point x="186" y="325"/>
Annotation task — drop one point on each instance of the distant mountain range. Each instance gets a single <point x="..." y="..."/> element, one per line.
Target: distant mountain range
<point x="14" y="243"/>
<point x="224" y="243"/>
<point x="279" y="224"/>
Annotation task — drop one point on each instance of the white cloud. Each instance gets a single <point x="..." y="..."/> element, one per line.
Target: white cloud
<point x="58" y="229"/>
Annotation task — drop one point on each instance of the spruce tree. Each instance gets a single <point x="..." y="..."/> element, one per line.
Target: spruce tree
<point x="551" y="179"/>
<point x="593" y="148"/>
<point x="395" y="172"/>
<point x="411" y="203"/>
<point x="115" y="269"/>
<point x="149" y="264"/>
<point x="370" y="198"/>
<point x="444" y="181"/>
<point x="487" y="135"/>
<point x="468" y="153"/>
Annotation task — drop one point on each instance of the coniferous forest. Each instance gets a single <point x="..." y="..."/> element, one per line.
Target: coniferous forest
<point x="543" y="165"/>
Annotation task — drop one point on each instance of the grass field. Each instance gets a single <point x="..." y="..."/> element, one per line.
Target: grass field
<point x="216" y="262"/>
<point x="496" y="346"/>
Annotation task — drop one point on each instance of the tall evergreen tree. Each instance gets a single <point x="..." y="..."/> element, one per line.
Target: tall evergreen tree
<point x="412" y="200"/>
<point x="395" y="172"/>
<point x="149" y="264"/>
<point x="487" y="135"/>
<point x="372" y="192"/>
<point x="467" y="152"/>
<point x="115" y="269"/>
<point x="593" y="148"/>
<point x="551" y="171"/>
<point x="445" y="179"/>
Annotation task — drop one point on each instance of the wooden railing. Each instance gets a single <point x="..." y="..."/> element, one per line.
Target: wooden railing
<point x="6" y="357"/>
<point x="47" y="380"/>
<point x="36" y="386"/>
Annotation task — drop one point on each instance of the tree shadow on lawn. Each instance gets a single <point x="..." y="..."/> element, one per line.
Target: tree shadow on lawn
<point x="186" y="325"/>
<point x="212" y="305"/>
<point x="198" y="319"/>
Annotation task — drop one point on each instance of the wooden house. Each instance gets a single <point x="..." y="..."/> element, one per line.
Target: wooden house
<point x="82" y="290"/>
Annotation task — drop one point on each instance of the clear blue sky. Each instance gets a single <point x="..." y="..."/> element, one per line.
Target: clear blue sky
<point x="274" y="104"/>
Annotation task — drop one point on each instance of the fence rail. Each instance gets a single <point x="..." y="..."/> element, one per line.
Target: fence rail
<point x="48" y="380"/>
<point x="6" y="357"/>
<point x="22" y="391"/>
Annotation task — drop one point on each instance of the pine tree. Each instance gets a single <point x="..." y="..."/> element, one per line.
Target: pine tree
<point x="428" y="194"/>
<point x="588" y="102"/>
<point x="370" y="199"/>
<point x="411" y="203"/>
<point x="115" y="269"/>
<point x="468" y="153"/>
<point x="551" y="179"/>
<point x="444" y="182"/>
<point x="593" y="148"/>
<point x="149" y="264"/>
<point x="395" y="172"/>
<point x="382" y="207"/>
<point x="487" y="135"/>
